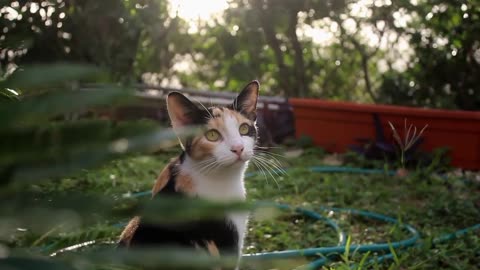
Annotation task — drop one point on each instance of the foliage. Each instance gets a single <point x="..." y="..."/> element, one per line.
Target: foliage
<point x="119" y="36"/>
<point x="396" y="151"/>
<point x="433" y="205"/>
<point x="445" y="69"/>
<point x="420" y="53"/>
<point x="39" y="146"/>
<point x="259" y="39"/>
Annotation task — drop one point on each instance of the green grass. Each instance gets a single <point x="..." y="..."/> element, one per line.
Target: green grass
<point x="432" y="205"/>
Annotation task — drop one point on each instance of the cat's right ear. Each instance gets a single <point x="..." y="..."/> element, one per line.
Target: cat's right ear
<point x="182" y="111"/>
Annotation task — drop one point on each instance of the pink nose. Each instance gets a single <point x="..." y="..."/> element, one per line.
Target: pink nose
<point x="237" y="149"/>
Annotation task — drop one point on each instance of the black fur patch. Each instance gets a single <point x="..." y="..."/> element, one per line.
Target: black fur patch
<point x="220" y="231"/>
<point x="186" y="234"/>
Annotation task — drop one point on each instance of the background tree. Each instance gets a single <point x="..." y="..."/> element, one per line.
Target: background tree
<point x="420" y="53"/>
<point x="445" y="69"/>
<point x="124" y="37"/>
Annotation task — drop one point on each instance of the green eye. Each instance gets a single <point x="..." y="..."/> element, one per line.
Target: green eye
<point x="244" y="129"/>
<point x="212" y="135"/>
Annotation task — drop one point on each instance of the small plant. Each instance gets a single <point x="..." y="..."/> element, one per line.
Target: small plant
<point x="408" y="141"/>
<point x="394" y="150"/>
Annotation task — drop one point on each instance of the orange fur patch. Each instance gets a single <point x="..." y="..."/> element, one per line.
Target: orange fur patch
<point x="201" y="148"/>
<point x="212" y="249"/>
<point x="129" y="231"/>
<point x="184" y="184"/>
<point x="163" y="178"/>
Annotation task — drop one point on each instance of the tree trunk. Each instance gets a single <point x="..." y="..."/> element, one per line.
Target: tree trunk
<point x="366" y="76"/>
<point x="274" y="44"/>
<point x="300" y="82"/>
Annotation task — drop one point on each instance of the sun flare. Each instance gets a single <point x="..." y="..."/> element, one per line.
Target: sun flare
<point x="191" y="10"/>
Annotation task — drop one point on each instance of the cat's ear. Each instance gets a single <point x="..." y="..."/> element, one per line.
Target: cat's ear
<point x="182" y="111"/>
<point x="246" y="101"/>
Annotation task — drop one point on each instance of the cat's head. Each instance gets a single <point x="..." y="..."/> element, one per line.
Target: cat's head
<point x="227" y="134"/>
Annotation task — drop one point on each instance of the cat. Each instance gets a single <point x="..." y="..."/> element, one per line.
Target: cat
<point x="211" y="166"/>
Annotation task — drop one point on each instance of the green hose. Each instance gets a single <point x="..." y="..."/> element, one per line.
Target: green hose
<point x="325" y="255"/>
<point x="325" y="252"/>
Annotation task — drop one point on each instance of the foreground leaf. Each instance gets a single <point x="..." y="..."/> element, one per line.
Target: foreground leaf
<point x="34" y="77"/>
<point x="33" y="263"/>
<point x="55" y="150"/>
<point x="34" y="110"/>
<point x="39" y="214"/>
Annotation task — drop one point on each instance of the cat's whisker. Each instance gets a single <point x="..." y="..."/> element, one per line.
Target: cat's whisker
<point x="211" y="116"/>
<point x="215" y="166"/>
<point x="272" y="171"/>
<point x="209" y="167"/>
<point x="267" y="147"/>
<point x="273" y="168"/>
<point x="269" y="153"/>
<point x="273" y="162"/>
<point x="203" y="163"/>
<point x="272" y="156"/>
<point x="268" y="169"/>
<point x="256" y="163"/>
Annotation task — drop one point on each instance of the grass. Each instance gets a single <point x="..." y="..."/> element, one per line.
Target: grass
<point x="432" y="205"/>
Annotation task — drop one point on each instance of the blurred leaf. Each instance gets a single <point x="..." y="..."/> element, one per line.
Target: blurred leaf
<point x="33" y="263"/>
<point x="39" y="76"/>
<point x="40" y="214"/>
<point x="59" y="149"/>
<point x="171" y="258"/>
<point x="33" y="109"/>
<point x="8" y="94"/>
<point x="154" y="258"/>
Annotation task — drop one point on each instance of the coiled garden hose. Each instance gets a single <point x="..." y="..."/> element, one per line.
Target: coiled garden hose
<point x="325" y="255"/>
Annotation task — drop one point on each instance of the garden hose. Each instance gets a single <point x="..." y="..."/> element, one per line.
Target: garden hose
<point x="325" y="255"/>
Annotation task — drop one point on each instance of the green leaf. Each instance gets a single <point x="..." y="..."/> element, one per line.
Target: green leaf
<point x="155" y="258"/>
<point x="34" y="77"/>
<point x="39" y="214"/>
<point x="59" y="149"/>
<point x="8" y="94"/>
<point x="16" y="263"/>
<point x="31" y="110"/>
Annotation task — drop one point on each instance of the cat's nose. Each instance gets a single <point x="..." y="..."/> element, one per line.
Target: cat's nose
<point x="237" y="149"/>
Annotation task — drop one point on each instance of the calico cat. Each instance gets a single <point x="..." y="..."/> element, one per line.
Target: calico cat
<point x="211" y="166"/>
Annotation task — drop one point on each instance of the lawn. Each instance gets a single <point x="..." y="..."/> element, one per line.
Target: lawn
<point x="431" y="204"/>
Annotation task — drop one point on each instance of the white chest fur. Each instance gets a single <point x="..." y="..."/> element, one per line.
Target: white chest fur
<point x="223" y="185"/>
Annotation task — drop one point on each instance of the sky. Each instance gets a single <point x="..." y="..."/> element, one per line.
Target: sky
<point x="192" y="10"/>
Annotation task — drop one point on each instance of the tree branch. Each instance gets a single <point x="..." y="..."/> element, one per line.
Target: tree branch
<point x="300" y="78"/>
<point x="365" y="57"/>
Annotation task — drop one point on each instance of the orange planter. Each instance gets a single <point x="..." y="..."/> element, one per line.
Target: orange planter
<point x="336" y="125"/>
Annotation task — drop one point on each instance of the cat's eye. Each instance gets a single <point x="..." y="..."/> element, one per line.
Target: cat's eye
<point x="244" y="129"/>
<point x="212" y="135"/>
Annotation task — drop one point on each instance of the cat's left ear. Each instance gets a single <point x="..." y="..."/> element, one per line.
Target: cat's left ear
<point x="246" y="101"/>
<point x="182" y="111"/>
